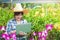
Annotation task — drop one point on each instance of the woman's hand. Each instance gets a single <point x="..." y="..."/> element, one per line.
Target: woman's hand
<point x="22" y="33"/>
<point x="13" y="31"/>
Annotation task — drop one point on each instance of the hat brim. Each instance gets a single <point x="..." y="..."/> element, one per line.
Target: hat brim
<point x="18" y="11"/>
<point x="24" y="11"/>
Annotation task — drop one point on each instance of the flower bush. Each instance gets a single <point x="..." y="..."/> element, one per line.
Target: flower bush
<point x="5" y="15"/>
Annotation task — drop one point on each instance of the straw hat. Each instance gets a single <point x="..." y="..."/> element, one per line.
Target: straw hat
<point x="18" y="8"/>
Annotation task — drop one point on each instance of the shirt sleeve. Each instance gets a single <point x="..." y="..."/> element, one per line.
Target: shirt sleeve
<point x="8" y="28"/>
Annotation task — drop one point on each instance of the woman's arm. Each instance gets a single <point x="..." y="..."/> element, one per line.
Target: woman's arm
<point x="8" y="28"/>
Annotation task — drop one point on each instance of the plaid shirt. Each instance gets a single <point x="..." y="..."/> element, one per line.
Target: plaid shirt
<point x="11" y="25"/>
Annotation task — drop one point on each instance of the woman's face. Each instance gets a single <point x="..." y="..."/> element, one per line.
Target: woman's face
<point x="18" y="17"/>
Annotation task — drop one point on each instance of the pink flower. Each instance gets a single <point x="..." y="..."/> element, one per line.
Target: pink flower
<point x="2" y="28"/>
<point x="39" y="38"/>
<point x="49" y="27"/>
<point x="5" y="36"/>
<point x="13" y="35"/>
<point x="39" y="34"/>
<point x="44" y="33"/>
<point x="31" y="38"/>
<point x="34" y="33"/>
<point x="43" y="38"/>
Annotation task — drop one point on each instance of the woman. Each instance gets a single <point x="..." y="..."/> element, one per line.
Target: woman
<point x="18" y="19"/>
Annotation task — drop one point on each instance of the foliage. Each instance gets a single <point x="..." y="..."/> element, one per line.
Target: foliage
<point x="1" y="32"/>
<point x="5" y="15"/>
<point x="54" y="35"/>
